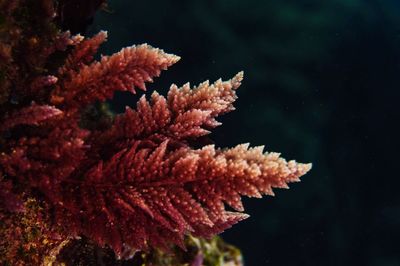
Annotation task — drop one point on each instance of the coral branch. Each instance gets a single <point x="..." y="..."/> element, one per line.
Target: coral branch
<point x="31" y="115"/>
<point x="171" y="191"/>
<point x="133" y="182"/>
<point x="44" y="160"/>
<point x="185" y="114"/>
<point x="124" y="71"/>
<point x="83" y="53"/>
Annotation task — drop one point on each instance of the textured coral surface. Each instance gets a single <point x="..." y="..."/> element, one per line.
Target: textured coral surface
<point x="133" y="182"/>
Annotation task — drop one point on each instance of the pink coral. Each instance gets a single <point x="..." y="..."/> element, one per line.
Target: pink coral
<point x="138" y="183"/>
<point x="123" y="71"/>
<point x="160" y="192"/>
<point x="31" y="115"/>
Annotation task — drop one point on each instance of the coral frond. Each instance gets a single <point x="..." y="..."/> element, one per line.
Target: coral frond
<point x="134" y="181"/>
<point x="31" y="115"/>
<point x="171" y="192"/>
<point x="124" y="71"/>
<point x="186" y="114"/>
<point x="83" y="53"/>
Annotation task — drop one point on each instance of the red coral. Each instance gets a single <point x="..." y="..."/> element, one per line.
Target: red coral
<point x="185" y="114"/>
<point x="31" y="115"/>
<point x="123" y="71"/>
<point x="9" y="200"/>
<point x="138" y="183"/>
<point x="83" y="53"/>
<point x="161" y="193"/>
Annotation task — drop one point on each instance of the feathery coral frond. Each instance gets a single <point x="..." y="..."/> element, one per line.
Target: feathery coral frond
<point x="124" y="71"/>
<point x="137" y="182"/>
<point x="172" y="192"/>
<point x="41" y="82"/>
<point x="83" y="53"/>
<point x="185" y="114"/>
<point x="31" y="115"/>
<point x="45" y="159"/>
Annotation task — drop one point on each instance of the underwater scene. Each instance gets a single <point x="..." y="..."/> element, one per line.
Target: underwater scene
<point x="148" y="133"/>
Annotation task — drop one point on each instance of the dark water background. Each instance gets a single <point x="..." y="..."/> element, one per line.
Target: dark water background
<point x="321" y="85"/>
